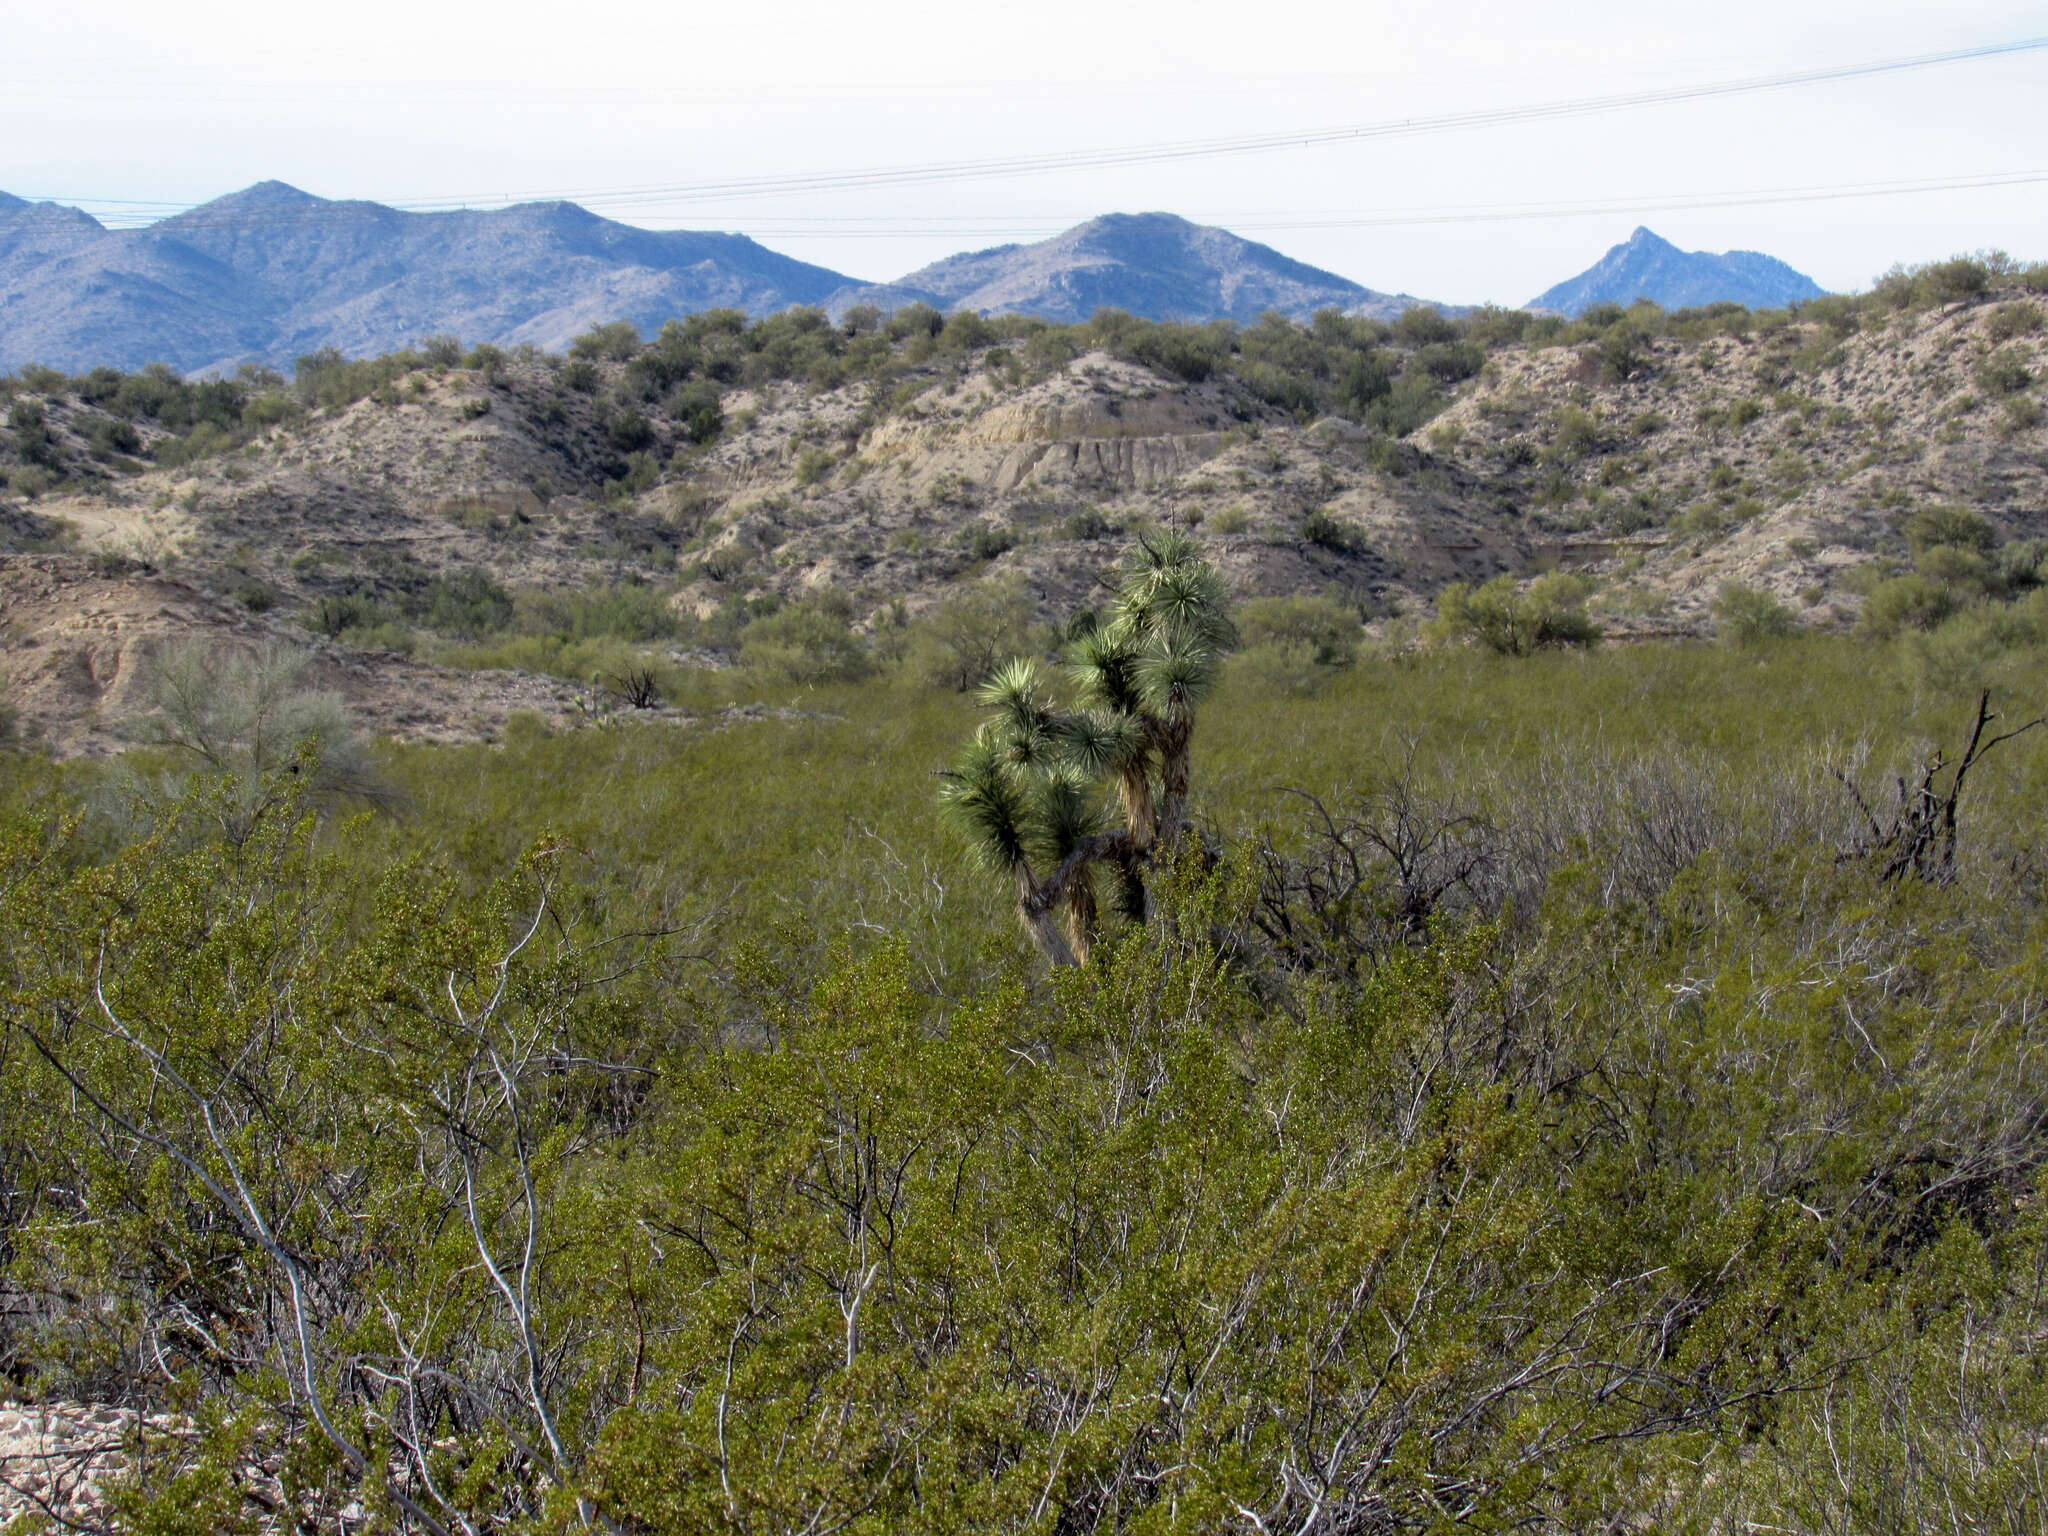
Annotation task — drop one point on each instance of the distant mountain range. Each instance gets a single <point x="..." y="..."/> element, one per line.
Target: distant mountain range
<point x="1647" y="266"/>
<point x="271" y="273"/>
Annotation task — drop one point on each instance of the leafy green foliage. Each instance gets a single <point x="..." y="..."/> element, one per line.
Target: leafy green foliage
<point x="1512" y="620"/>
<point x="811" y="641"/>
<point x="1748" y="616"/>
<point x="834" y="1228"/>
<point x="1028" y="792"/>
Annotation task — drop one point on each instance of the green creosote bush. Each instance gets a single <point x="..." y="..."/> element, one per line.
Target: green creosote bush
<point x="1511" y="620"/>
<point x="807" y="642"/>
<point x="981" y="541"/>
<point x="813" y="465"/>
<point x="1979" y="646"/>
<point x="1325" y="531"/>
<point x="1909" y="602"/>
<point x="1293" y="645"/>
<point x="1745" y="615"/>
<point x="1508" y="1157"/>
<point x="1326" y="630"/>
<point x="2004" y="372"/>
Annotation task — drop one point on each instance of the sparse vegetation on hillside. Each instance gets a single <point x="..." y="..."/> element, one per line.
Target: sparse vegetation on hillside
<point x="633" y="507"/>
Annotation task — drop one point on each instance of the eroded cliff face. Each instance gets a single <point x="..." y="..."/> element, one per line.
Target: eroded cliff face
<point x="1103" y="422"/>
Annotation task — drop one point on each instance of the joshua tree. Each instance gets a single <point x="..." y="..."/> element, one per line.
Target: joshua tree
<point x="1032" y="789"/>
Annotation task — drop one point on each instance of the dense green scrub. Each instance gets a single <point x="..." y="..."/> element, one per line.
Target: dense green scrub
<point x="1559" y="1125"/>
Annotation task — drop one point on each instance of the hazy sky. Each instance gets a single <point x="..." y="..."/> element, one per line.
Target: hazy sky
<point x="476" y="102"/>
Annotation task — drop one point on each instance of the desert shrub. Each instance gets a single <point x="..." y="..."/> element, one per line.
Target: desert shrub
<point x="984" y="541"/>
<point x="439" y="351"/>
<point x="30" y="480"/>
<point x="246" y="716"/>
<point x="2021" y="317"/>
<point x="1958" y="526"/>
<point x="642" y="474"/>
<point x="629" y="431"/>
<point x="487" y="360"/>
<point x="2023" y="564"/>
<point x="1967" y="570"/>
<point x="962" y="641"/>
<point x="111" y="435"/>
<point x="1511" y="620"/>
<point x="1282" y="390"/>
<point x="813" y="465"/>
<point x="1405" y="408"/>
<point x="465" y="605"/>
<point x="1908" y="602"/>
<point x="911" y="320"/>
<point x="630" y="610"/>
<point x="1448" y="362"/>
<point x="1951" y="281"/>
<point x="1491" y="326"/>
<point x="337" y="615"/>
<point x="807" y="642"/>
<point x="1964" y="652"/>
<point x="1745" y="615"/>
<point x="617" y="342"/>
<point x="2004" y="372"/>
<point x="28" y="425"/>
<point x="327" y="379"/>
<point x="965" y="331"/>
<point x="1559" y="1110"/>
<point x="1178" y="351"/>
<point x="1744" y="411"/>
<point x="1625" y="351"/>
<point x="1322" y="630"/>
<point x="1366" y="380"/>
<point x="1576" y="433"/>
<point x="697" y="411"/>
<point x="1423" y="325"/>
<point x="1088" y="523"/>
<point x="1326" y="531"/>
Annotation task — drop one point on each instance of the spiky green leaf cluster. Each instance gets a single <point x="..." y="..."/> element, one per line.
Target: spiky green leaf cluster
<point x="1028" y="785"/>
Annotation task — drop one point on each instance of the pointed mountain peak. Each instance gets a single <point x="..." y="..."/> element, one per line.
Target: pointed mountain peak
<point x="266" y="195"/>
<point x="1647" y="266"/>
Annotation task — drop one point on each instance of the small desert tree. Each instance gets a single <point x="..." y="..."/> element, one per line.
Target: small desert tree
<point x="252" y="718"/>
<point x="1054" y="796"/>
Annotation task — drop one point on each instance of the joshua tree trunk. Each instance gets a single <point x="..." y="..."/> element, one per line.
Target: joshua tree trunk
<point x="1081" y="918"/>
<point x="1141" y="817"/>
<point x="1174" y="774"/>
<point x="1039" y="921"/>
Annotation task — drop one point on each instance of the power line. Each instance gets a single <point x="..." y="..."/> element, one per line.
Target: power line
<point x="1026" y="165"/>
<point x="1001" y="167"/>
